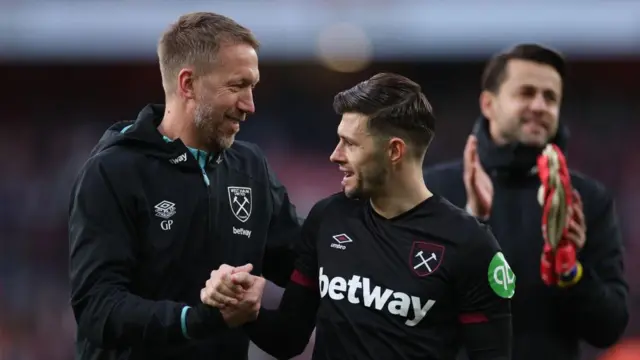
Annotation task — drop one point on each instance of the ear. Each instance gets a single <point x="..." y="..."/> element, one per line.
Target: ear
<point x="186" y="83"/>
<point x="397" y="149"/>
<point x="487" y="99"/>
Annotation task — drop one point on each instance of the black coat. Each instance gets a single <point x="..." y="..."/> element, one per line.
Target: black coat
<point x="148" y="222"/>
<point x="548" y="323"/>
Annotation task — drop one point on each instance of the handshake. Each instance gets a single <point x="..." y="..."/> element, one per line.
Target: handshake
<point x="235" y="292"/>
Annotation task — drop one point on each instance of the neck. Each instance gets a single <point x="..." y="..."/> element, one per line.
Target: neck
<point x="403" y="192"/>
<point x="176" y="124"/>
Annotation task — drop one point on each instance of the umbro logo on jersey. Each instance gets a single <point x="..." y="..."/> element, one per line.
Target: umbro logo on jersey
<point x="165" y="209"/>
<point x="340" y="240"/>
<point x="358" y="290"/>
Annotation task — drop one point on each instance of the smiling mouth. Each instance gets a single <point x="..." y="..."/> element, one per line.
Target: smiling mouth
<point x="233" y="119"/>
<point x="347" y="174"/>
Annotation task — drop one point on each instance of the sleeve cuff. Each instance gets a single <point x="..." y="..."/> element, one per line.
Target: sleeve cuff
<point x="183" y="322"/>
<point x="201" y="321"/>
<point x="583" y="287"/>
<point x="573" y="277"/>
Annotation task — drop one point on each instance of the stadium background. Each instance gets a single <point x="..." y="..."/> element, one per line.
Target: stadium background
<point x="70" y="69"/>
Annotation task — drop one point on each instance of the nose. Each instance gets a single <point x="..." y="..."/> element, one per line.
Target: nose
<point x="337" y="156"/>
<point x="246" y="104"/>
<point x="539" y="103"/>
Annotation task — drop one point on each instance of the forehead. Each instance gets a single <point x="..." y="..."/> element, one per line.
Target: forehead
<point x="529" y="73"/>
<point x="239" y="61"/>
<point x="352" y="125"/>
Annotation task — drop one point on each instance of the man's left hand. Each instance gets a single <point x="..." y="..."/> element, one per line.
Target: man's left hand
<point x="577" y="229"/>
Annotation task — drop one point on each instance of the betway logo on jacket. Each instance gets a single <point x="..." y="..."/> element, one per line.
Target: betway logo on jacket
<point x="358" y="290"/>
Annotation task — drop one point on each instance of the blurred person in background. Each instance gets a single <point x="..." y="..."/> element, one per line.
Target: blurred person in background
<point x="168" y="197"/>
<point x="497" y="182"/>
<point x="388" y="269"/>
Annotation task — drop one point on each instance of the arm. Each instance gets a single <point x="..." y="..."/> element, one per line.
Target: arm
<point x="285" y="332"/>
<point x="597" y="304"/>
<point x="486" y="287"/>
<point x="284" y="232"/>
<point x="103" y="251"/>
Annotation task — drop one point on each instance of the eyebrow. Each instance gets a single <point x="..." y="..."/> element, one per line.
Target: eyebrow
<point x="244" y="81"/>
<point x="347" y="138"/>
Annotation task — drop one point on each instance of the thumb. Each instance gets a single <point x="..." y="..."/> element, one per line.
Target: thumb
<point x="244" y="268"/>
<point x="245" y="280"/>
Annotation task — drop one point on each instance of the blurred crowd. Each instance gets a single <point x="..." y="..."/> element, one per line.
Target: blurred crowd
<point x="53" y="115"/>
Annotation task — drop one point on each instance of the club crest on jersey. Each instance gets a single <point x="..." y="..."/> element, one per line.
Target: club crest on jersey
<point x="240" y="202"/>
<point x="425" y="257"/>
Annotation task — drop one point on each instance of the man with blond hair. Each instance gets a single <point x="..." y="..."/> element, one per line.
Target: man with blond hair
<point x="168" y="197"/>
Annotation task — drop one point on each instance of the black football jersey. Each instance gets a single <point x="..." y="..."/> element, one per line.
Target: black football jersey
<point x="402" y="288"/>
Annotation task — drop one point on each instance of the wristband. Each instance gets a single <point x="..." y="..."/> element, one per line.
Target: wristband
<point x="183" y="322"/>
<point x="572" y="278"/>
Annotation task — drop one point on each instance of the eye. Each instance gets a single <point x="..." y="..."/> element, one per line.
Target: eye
<point x="348" y="142"/>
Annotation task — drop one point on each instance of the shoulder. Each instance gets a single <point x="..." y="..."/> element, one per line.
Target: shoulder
<point x="597" y="201"/>
<point x="114" y="162"/>
<point x="337" y="203"/>
<point x="111" y="173"/>
<point x="247" y="158"/>
<point x="245" y="151"/>
<point x="445" y="169"/>
<point x="590" y="188"/>
<point x="465" y="228"/>
<point x="446" y="179"/>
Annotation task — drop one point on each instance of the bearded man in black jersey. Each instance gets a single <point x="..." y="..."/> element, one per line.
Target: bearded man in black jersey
<point x="386" y="269"/>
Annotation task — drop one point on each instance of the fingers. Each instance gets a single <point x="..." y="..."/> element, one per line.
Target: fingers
<point x="468" y="160"/>
<point x="224" y="268"/>
<point x="577" y="211"/>
<point x="576" y="233"/>
<point x="218" y="293"/>
<point x="577" y="198"/>
<point x="244" y="268"/>
<point x="209" y="300"/>
<point x="470" y="150"/>
<point x="219" y="290"/>
<point x="227" y="287"/>
<point x="245" y="280"/>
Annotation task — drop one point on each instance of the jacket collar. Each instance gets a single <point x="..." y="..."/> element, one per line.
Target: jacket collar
<point x="513" y="159"/>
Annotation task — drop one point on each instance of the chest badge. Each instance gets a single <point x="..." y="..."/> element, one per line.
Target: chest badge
<point x="240" y="201"/>
<point x="165" y="210"/>
<point x="425" y="258"/>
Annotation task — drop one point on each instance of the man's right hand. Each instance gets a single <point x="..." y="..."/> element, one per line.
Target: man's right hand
<point x="477" y="182"/>
<point x="236" y="292"/>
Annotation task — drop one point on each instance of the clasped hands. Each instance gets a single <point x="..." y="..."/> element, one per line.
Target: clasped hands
<point x="235" y="292"/>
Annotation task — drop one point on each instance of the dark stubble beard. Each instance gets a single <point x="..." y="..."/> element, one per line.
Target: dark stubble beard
<point x="208" y="124"/>
<point x="371" y="178"/>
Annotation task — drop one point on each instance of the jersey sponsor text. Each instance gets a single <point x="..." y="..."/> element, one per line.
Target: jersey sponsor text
<point x="358" y="290"/>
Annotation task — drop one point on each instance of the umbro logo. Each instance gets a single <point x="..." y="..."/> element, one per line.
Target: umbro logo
<point x="340" y="240"/>
<point x="165" y="209"/>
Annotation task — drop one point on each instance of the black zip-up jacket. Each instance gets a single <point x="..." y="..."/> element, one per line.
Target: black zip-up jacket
<point x="149" y="220"/>
<point x="548" y="323"/>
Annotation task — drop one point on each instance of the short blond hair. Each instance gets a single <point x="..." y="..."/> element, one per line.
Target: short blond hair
<point x="194" y="40"/>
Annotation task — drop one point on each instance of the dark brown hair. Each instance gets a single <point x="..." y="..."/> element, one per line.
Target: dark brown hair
<point x="395" y="106"/>
<point x="495" y="72"/>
